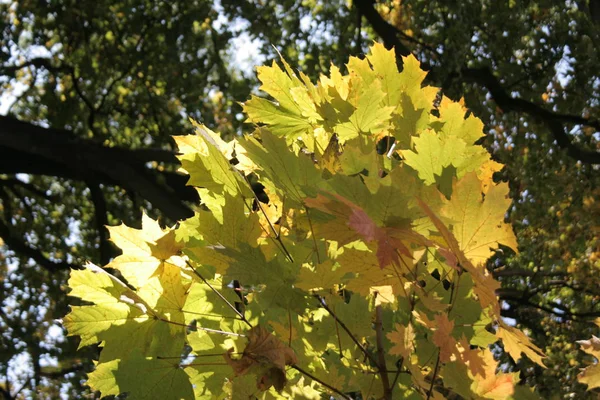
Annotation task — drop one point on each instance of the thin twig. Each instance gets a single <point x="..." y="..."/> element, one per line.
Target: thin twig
<point x="387" y="390"/>
<point x="277" y="236"/>
<point x="435" y="371"/>
<point x="344" y="327"/>
<point x="312" y="233"/>
<point x="242" y="317"/>
<point x="314" y="378"/>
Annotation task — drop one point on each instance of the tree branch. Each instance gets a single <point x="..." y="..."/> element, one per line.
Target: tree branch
<point x="27" y="148"/>
<point x="39" y="62"/>
<point x="525" y="272"/>
<point x="522" y="299"/>
<point x="18" y="246"/>
<point x="381" y="365"/>
<point x="484" y="77"/>
<point x="101" y="220"/>
<point x="345" y="328"/>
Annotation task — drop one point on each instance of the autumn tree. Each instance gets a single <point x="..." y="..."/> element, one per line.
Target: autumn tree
<point x="98" y="89"/>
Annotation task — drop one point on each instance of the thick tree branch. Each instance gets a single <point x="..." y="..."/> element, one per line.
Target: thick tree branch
<point x="101" y="221"/>
<point x="28" y="148"/>
<point x="484" y="77"/>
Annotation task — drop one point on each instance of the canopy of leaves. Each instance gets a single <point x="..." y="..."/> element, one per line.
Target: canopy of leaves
<point x="234" y="299"/>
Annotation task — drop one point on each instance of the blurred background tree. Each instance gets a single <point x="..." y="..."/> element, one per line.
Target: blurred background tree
<point x="92" y="92"/>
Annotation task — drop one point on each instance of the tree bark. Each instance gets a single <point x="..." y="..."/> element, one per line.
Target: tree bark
<point x="31" y="149"/>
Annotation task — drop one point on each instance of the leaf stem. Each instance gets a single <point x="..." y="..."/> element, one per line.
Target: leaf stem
<point x="220" y="332"/>
<point x="277" y="236"/>
<point x="314" y="378"/>
<point x="435" y="371"/>
<point x="312" y="233"/>
<point x="243" y="318"/>
<point x="345" y="328"/>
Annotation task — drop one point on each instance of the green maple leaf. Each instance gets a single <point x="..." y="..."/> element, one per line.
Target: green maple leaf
<point x="142" y="378"/>
<point x="294" y="109"/>
<point x="206" y="158"/>
<point x="433" y="155"/>
<point x="368" y="117"/>
<point x="120" y="318"/>
<point x="291" y="176"/>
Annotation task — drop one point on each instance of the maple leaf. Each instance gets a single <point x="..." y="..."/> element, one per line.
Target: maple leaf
<point x="490" y="385"/>
<point x="368" y="116"/>
<point x="485" y="284"/>
<point x="281" y="171"/>
<point x="285" y="118"/>
<point x="452" y="114"/>
<point x="433" y="154"/>
<point x="144" y="250"/>
<point x="267" y="353"/>
<point x="390" y="245"/>
<point x="516" y="343"/>
<point x="403" y="338"/>
<point x="323" y="277"/>
<point x="442" y="337"/>
<point x="478" y="222"/>
<point x="473" y="358"/>
<point x="122" y="319"/>
<point x="590" y="375"/>
<point x="206" y="158"/>
<point x="144" y="378"/>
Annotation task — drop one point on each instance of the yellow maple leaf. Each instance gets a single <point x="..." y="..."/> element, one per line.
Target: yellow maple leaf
<point x="485" y="284"/>
<point x="144" y="250"/>
<point x="516" y="343"/>
<point x="323" y="277"/>
<point x="485" y="174"/>
<point x="591" y="375"/>
<point x="478" y="222"/>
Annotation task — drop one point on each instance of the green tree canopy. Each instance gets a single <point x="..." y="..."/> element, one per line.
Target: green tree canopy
<point x="93" y="92"/>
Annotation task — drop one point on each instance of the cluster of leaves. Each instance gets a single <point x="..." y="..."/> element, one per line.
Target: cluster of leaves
<point x="359" y="267"/>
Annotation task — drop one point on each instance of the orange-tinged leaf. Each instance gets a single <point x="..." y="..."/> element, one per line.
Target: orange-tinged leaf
<point x="266" y="352"/>
<point x="517" y="343"/>
<point x="390" y="241"/>
<point x="442" y="337"/>
<point x="403" y="338"/>
<point x="473" y="358"/>
<point x="591" y="375"/>
<point x="491" y="385"/>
